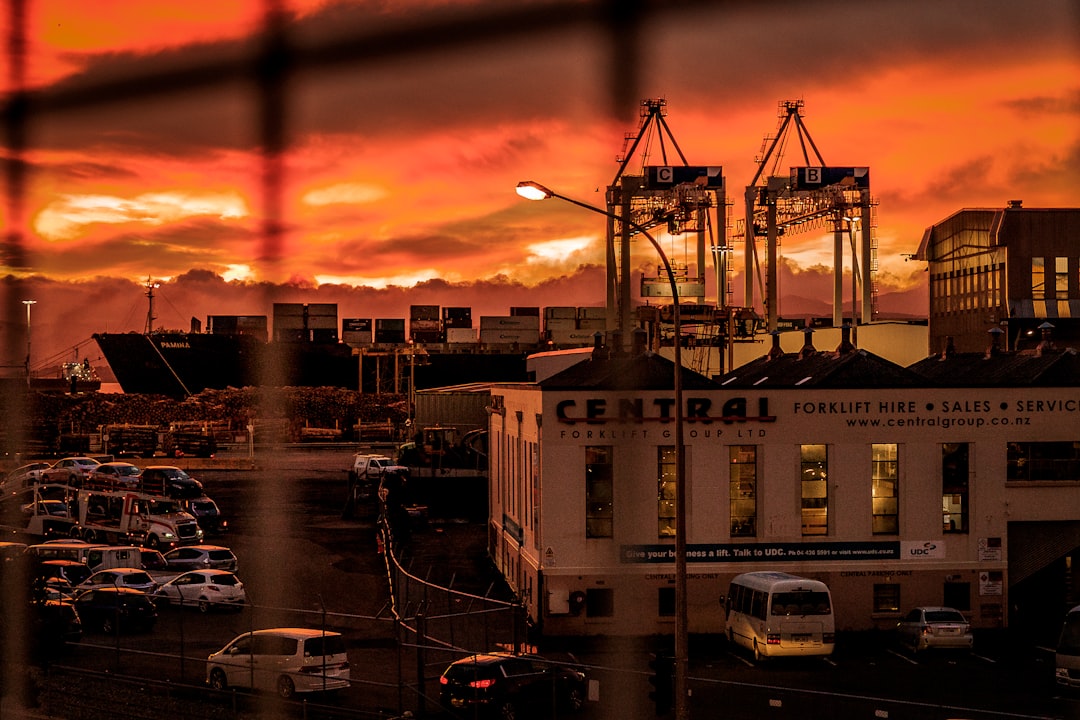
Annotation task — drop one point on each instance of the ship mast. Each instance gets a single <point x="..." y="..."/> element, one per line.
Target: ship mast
<point x="150" y="286"/>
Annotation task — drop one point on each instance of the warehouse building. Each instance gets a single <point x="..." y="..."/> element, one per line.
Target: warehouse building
<point x="954" y="481"/>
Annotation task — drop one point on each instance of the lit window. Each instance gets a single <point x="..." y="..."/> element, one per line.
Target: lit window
<point x="743" y="490"/>
<point x="885" y="481"/>
<point x="666" y="490"/>
<point x="815" y="489"/>
<point x="599" y="492"/>
<point x="1038" y="279"/>
<point x="954" y="487"/>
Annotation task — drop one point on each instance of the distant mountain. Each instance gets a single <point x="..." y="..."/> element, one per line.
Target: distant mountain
<point x="902" y="305"/>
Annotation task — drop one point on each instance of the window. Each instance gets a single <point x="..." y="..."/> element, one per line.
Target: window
<point x="665" y="492"/>
<point x="1043" y="461"/>
<point x="886" y="597"/>
<point x="599" y="492"/>
<point x="885" y="481"/>
<point x="666" y="602"/>
<point x="954" y="487"/>
<point x="1038" y="279"/>
<point x="743" y="490"/>
<point x="814" y="469"/>
<point x="1061" y="278"/>
<point x="957" y="595"/>
<point x="599" y="602"/>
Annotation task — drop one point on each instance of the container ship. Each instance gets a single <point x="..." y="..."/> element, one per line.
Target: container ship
<point x="438" y="347"/>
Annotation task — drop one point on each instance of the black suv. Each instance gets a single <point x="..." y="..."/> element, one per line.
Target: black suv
<point x="506" y="685"/>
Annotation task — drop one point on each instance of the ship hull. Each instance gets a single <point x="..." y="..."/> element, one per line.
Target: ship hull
<point x="180" y="364"/>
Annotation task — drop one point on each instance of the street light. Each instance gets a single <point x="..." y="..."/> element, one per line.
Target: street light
<point x="28" y="303"/>
<point x="535" y="191"/>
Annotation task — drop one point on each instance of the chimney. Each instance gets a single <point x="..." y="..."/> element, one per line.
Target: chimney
<point x="1045" y="343"/>
<point x="995" y="337"/>
<point x="845" y="346"/>
<point x="616" y="349"/>
<point x="950" y="348"/>
<point x="638" y="340"/>
<point x="598" y="346"/>
<point x="1016" y="204"/>
<point x="808" y="344"/>
<point x="775" y="351"/>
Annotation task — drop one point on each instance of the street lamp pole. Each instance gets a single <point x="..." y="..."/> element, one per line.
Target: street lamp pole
<point x="28" y="304"/>
<point x="535" y="191"/>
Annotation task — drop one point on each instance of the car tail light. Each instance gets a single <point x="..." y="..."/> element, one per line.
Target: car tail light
<point x="443" y="680"/>
<point x="482" y="684"/>
<point x="772" y="639"/>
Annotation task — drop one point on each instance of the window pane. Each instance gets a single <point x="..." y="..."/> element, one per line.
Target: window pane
<point x="599" y="491"/>
<point x="665" y="491"/>
<point x="815" y="489"/>
<point x="954" y="487"/>
<point x="885" y="482"/>
<point x="743" y="490"/>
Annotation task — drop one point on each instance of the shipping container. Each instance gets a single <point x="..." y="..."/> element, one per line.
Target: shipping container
<point x="509" y="336"/>
<point x="460" y="335"/>
<point x="390" y="330"/>
<point x="525" y="311"/>
<point x="356" y="331"/>
<point x="427" y="337"/>
<point x="424" y="325"/>
<point x="457" y="317"/>
<point x="424" y="312"/>
<point x="592" y="323"/>
<point x="561" y="313"/>
<point x="512" y="322"/>
<point x="592" y="313"/>
<point x="560" y="323"/>
<point x="564" y="338"/>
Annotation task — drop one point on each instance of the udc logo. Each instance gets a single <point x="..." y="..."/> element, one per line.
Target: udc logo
<point x="927" y="548"/>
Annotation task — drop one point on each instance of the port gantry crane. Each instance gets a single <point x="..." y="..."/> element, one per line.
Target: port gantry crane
<point x="811" y="197"/>
<point x="676" y="197"/>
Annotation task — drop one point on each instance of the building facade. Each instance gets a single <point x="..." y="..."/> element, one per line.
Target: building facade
<point x="1012" y="268"/>
<point x="892" y="486"/>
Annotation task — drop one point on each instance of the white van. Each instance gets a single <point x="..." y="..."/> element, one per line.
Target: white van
<point x="779" y="614"/>
<point x="1067" y="657"/>
<point x="76" y="550"/>
<point x="108" y="557"/>
<point x="282" y="660"/>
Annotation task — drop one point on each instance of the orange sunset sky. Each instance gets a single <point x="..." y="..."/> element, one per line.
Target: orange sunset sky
<point x="405" y="125"/>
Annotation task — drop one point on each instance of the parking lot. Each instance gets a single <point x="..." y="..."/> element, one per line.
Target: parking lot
<point x="305" y="564"/>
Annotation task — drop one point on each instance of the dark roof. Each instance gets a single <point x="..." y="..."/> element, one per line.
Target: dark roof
<point x="822" y="369"/>
<point x="645" y="371"/>
<point x="1046" y="368"/>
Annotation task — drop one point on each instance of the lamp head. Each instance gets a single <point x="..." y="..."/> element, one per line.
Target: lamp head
<point x="533" y="191"/>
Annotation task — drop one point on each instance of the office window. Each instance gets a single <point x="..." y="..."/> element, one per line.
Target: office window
<point x="665" y="490"/>
<point x="954" y="487"/>
<point x="743" y="490"/>
<point x="957" y="595"/>
<point x="885" y="482"/>
<point x="1042" y="461"/>
<point x="1061" y="278"/>
<point x="599" y="492"/>
<point x="599" y="602"/>
<point x="1038" y="279"/>
<point x="886" y="597"/>
<point x="814" y="467"/>
<point x="665" y="602"/>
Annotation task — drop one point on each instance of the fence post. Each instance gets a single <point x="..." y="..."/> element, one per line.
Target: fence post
<point x="421" y="639"/>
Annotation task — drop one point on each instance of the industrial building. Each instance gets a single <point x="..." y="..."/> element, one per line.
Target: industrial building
<point x="1011" y="268"/>
<point x="952" y="481"/>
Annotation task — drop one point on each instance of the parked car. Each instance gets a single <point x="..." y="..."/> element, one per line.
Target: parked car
<point x="506" y="684"/>
<point x="201" y="557"/>
<point x="934" y="627"/>
<point x="171" y="481"/>
<point x="56" y="508"/>
<point x="24" y="476"/>
<point x="58" y="578"/>
<point x="54" y="624"/>
<point x="116" y="609"/>
<point x="134" y="578"/>
<point x="284" y="660"/>
<point x="205" y="589"/>
<point x="115" y="473"/>
<point x="70" y="471"/>
<point x="207" y="514"/>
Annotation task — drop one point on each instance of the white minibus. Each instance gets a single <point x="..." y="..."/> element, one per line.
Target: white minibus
<point x="1067" y="657"/>
<point x="779" y="614"/>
